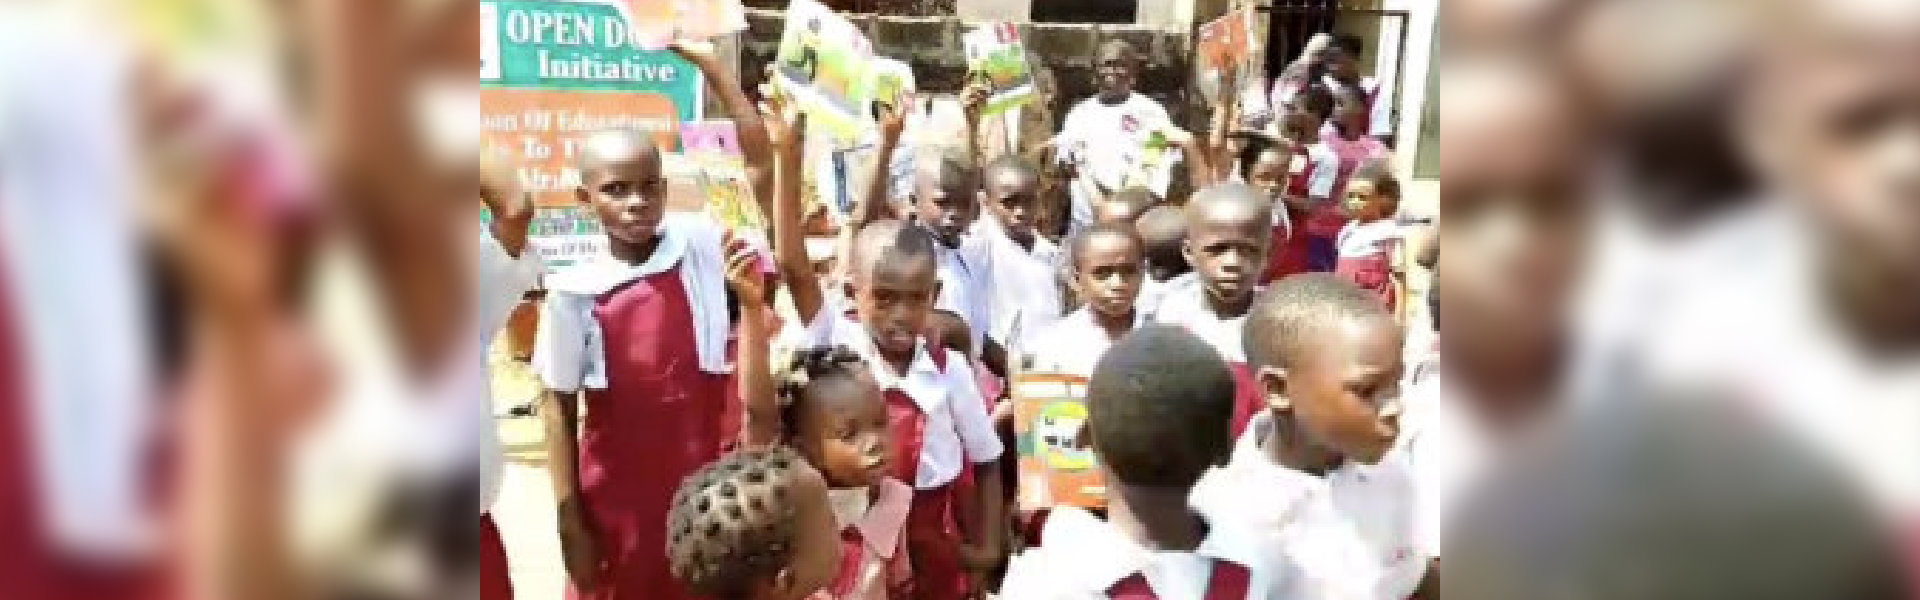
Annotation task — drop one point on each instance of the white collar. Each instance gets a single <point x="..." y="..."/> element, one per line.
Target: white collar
<point x="1262" y="426"/>
<point x="601" y="272"/>
<point x="924" y="380"/>
<point x="1094" y="554"/>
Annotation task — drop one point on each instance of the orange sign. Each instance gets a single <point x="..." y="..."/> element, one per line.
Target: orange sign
<point x="541" y="130"/>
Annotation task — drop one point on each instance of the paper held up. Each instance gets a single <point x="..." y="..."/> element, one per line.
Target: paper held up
<point x="997" y="58"/>
<point x="657" y="23"/>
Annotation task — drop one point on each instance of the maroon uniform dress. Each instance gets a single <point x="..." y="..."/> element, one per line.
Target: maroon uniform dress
<point x="1228" y="581"/>
<point x="933" y="532"/>
<point x="659" y="419"/>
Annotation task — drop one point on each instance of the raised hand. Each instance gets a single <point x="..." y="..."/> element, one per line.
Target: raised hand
<point x="744" y="276"/>
<point x="893" y="118"/>
<point x="973" y="99"/>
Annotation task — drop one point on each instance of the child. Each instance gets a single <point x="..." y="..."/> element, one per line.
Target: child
<point x="1158" y="413"/>
<point x="937" y="419"/>
<point x="835" y="417"/>
<point x="1834" y="258"/>
<point x="1228" y="229"/>
<point x="753" y="525"/>
<point x="1107" y="267"/>
<point x="1370" y="246"/>
<point x="1328" y="358"/>
<point x="1026" y="298"/>
<point x="640" y="335"/>
<point x="1264" y="164"/>
<point x="1315" y="175"/>
<point x="1125" y="206"/>
<point x="1163" y="235"/>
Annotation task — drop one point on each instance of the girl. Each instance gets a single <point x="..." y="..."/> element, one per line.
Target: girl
<point x="753" y="525"/>
<point x="832" y="412"/>
<point x="1370" y="246"/>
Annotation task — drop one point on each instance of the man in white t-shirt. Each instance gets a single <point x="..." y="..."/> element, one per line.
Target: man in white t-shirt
<point x="1102" y="136"/>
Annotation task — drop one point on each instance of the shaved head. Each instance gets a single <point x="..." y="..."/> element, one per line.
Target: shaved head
<point x="608" y="147"/>
<point x="889" y="245"/>
<point x="1228" y="202"/>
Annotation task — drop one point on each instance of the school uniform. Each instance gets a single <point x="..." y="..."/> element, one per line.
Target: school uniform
<point x="78" y="407"/>
<point x="1074" y="345"/>
<point x="1374" y="511"/>
<point x="1086" y="558"/>
<point x="874" y="564"/>
<point x="1750" y="316"/>
<point x="939" y="426"/>
<point x="966" y="285"/>
<point x="500" y="280"/>
<point x="1025" y="286"/>
<point x="647" y="346"/>
<point x="1184" y="304"/>
<point x="1316" y="175"/>
<point x="1366" y="257"/>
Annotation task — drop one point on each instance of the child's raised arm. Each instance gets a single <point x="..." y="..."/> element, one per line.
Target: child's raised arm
<point x="789" y="237"/>
<point x="761" y="426"/>
<point x="756" y="150"/>
<point x="876" y="204"/>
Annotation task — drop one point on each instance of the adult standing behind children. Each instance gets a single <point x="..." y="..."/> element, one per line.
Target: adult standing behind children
<point x="1097" y="132"/>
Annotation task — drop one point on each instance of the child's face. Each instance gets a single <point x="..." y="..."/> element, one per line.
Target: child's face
<point x="1345" y="395"/>
<point x="1269" y="172"/>
<point x="628" y="195"/>
<point x="816" y="539"/>
<point x="842" y="431"/>
<point x="894" y="302"/>
<point x="1517" y="208"/>
<point x="945" y="205"/>
<point x="1300" y="118"/>
<point x="1351" y="111"/>
<point x="1367" y="203"/>
<point x="1846" y="131"/>
<point x="1228" y="248"/>
<point x="1108" y="274"/>
<point x="1013" y="196"/>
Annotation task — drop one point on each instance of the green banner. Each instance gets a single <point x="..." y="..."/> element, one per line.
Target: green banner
<point x="578" y="46"/>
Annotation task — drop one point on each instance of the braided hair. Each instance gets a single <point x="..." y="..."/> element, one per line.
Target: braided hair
<point x="807" y="366"/>
<point x="732" y="523"/>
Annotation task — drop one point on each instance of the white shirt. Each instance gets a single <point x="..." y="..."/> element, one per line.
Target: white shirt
<point x="1184" y="304"/>
<point x="1025" y="286"/>
<point x="1362" y="240"/>
<point x="966" y="286"/>
<point x="69" y="189"/>
<point x="1751" y="321"/>
<point x="1373" y="505"/>
<point x="958" y="430"/>
<point x="568" y="353"/>
<point x="1106" y="139"/>
<point x="1074" y="345"/>
<point x="1325" y="164"/>
<point x="499" y="281"/>
<point x="1083" y="557"/>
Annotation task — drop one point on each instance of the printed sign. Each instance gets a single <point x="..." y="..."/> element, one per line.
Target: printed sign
<point x="1224" y="44"/>
<point x="559" y="46"/>
<point x="995" y="54"/>
<point x="1055" y="468"/>
<point x="542" y="130"/>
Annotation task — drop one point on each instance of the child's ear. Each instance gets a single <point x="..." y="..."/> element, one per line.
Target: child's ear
<point x="1186" y="251"/>
<point x="1273" y="388"/>
<point x="781" y="586"/>
<point x="580" y="194"/>
<point x="936" y="290"/>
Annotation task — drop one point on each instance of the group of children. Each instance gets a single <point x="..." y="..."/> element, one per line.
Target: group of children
<point x="873" y="460"/>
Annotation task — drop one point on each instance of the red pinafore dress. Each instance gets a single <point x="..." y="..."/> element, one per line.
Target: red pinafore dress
<point x="933" y="532"/>
<point x="659" y="419"/>
<point x="1229" y="581"/>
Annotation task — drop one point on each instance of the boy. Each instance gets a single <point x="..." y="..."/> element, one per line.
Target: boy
<point x="1228" y="233"/>
<point x="1158" y="412"/>
<point x="1125" y="206"/>
<point x="1026" y="297"/>
<point x="640" y="335"/>
<point x="1835" y="257"/>
<point x="1328" y="359"/>
<point x="1099" y="132"/>
<point x="1107" y="265"/>
<point x="1163" y="234"/>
